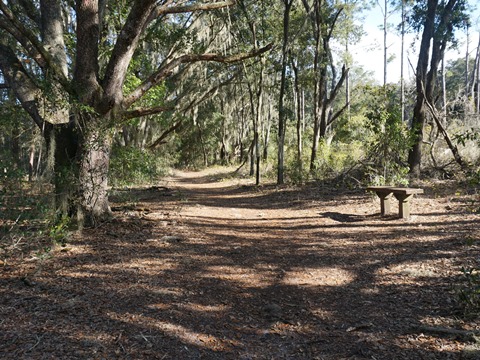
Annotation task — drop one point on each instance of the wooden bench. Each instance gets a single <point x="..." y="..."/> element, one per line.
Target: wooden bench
<point x="403" y="195"/>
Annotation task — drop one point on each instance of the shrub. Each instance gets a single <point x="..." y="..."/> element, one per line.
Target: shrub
<point x="389" y="142"/>
<point x="469" y="294"/>
<point x="131" y="165"/>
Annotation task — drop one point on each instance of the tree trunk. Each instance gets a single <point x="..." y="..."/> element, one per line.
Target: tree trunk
<point x="402" y="60"/>
<point x="298" y="98"/>
<point x="319" y="78"/>
<point x="282" y="116"/>
<point x="31" y="163"/>
<point x="476" y="79"/>
<point x="432" y="48"/>
<point x="266" y="130"/>
<point x="419" y="111"/>
<point x="63" y="145"/>
<point x="94" y="159"/>
<point x="385" y="32"/>
<point x="324" y="95"/>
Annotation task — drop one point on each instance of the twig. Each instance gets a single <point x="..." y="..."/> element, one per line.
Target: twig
<point x="36" y="344"/>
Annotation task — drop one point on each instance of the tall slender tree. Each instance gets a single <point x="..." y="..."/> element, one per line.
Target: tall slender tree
<point x="282" y="114"/>
<point x="323" y="19"/>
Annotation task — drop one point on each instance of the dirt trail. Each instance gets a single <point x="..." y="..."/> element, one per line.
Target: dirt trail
<point x="212" y="267"/>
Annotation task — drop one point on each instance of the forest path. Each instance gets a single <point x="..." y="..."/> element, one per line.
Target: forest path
<point x="326" y="258"/>
<point x="209" y="266"/>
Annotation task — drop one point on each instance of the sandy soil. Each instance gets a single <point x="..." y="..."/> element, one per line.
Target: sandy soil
<point x="207" y="266"/>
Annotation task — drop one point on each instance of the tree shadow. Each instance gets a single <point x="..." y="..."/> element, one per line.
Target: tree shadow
<point x="330" y="286"/>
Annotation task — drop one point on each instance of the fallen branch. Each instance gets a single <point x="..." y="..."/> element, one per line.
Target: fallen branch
<point x="467" y="335"/>
<point x="456" y="154"/>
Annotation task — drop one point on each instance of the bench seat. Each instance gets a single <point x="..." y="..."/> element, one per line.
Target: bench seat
<point x="402" y="194"/>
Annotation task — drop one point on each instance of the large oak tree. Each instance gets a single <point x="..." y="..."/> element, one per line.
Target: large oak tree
<point x="67" y="67"/>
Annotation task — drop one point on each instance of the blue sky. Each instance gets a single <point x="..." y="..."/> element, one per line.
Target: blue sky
<point x="369" y="51"/>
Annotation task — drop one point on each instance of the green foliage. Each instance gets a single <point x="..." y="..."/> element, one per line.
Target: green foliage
<point x="58" y="231"/>
<point x="29" y="225"/>
<point x="10" y="174"/>
<point x="131" y="165"/>
<point x="466" y="139"/>
<point x="469" y="295"/>
<point x="389" y="139"/>
<point x="469" y="135"/>
<point x="335" y="158"/>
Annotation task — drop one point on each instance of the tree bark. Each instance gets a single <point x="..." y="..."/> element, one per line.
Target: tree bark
<point x="431" y="53"/>
<point x="94" y="159"/>
<point x="282" y="116"/>
<point x="324" y="94"/>
<point x="298" y="98"/>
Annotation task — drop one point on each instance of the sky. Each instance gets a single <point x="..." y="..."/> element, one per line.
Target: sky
<point x="369" y="51"/>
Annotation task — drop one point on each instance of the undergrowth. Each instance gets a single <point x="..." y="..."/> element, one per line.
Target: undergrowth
<point x="29" y="227"/>
<point x="469" y="294"/>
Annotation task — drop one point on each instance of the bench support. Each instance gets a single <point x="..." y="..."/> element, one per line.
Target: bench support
<point x="403" y="195"/>
<point x="404" y="205"/>
<point x="385" y="203"/>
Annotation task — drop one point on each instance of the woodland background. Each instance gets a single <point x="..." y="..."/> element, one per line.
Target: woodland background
<point x="303" y="110"/>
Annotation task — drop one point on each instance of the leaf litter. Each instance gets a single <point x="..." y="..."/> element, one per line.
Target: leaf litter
<point x="226" y="270"/>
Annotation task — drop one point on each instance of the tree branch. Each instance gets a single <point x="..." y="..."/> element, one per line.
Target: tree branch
<point x="164" y="9"/>
<point x="212" y="91"/>
<point x="24" y="88"/>
<point x="166" y="70"/>
<point x="336" y="89"/>
<point x="454" y="149"/>
<point x="146" y="111"/>
<point x="159" y="109"/>
<point x="335" y="18"/>
<point x="123" y="51"/>
<point x="30" y="49"/>
<point x="164" y="135"/>
<point x="209" y="93"/>
<point x="337" y="114"/>
<point x="29" y="37"/>
<point x="30" y="10"/>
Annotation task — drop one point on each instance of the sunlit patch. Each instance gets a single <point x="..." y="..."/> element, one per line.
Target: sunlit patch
<point x="371" y="291"/>
<point x="322" y="314"/>
<point x="318" y="277"/>
<point x="186" y="335"/>
<point x="160" y="306"/>
<point x="133" y="266"/>
<point x="204" y="308"/>
<point x="423" y="269"/>
<point x="175" y="292"/>
<point x="191" y="337"/>
<point x="244" y="276"/>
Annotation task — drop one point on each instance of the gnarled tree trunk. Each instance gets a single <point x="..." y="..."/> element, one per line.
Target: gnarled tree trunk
<point x="94" y="160"/>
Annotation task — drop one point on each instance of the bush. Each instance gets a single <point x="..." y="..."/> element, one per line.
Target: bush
<point x="389" y="142"/>
<point x="335" y="159"/>
<point x="133" y="166"/>
<point x="469" y="295"/>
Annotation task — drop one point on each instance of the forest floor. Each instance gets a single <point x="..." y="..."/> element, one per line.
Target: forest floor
<point x="208" y="266"/>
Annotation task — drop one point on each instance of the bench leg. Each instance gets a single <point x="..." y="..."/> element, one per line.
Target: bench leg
<point x="384" y="203"/>
<point x="404" y="205"/>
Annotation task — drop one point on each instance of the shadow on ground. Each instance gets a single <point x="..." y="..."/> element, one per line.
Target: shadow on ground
<point x="179" y="281"/>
